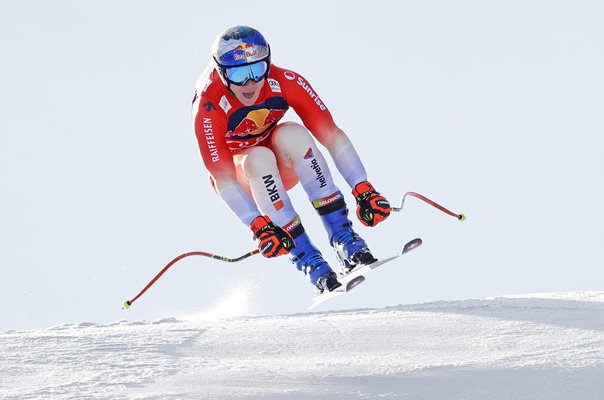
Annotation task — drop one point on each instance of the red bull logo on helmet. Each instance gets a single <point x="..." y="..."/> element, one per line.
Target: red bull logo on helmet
<point x="246" y="54"/>
<point x="244" y="46"/>
<point x="241" y="53"/>
<point x="239" y="45"/>
<point x="244" y="50"/>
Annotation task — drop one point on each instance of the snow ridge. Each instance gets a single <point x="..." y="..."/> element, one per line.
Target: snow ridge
<point x="521" y="347"/>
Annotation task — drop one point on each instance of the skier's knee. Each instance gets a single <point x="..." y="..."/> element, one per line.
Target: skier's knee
<point x="292" y="141"/>
<point x="259" y="161"/>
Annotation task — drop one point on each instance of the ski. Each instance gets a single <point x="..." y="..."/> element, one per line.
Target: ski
<point x="357" y="275"/>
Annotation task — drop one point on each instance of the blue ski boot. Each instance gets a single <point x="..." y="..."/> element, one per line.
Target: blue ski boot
<point x="351" y="250"/>
<point x="308" y="259"/>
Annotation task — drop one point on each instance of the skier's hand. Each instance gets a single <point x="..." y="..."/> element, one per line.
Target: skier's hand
<point x="272" y="240"/>
<point x="372" y="207"/>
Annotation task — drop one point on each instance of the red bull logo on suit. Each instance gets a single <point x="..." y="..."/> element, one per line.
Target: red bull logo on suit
<point x="256" y="122"/>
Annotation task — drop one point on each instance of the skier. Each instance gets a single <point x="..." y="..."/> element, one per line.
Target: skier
<point x="253" y="159"/>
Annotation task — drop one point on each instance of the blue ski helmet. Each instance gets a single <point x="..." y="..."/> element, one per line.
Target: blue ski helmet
<point x="238" y="46"/>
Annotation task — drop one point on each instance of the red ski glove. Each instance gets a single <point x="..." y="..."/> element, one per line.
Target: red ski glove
<point x="272" y="240"/>
<point x="372" y="207"/>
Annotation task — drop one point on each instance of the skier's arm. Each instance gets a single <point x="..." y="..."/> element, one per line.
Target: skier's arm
<point x="372" y="207"/>
<point x="272" y="240"/>
<point x="343" y="153"/>
<point x="317" y="118"/>
<point x="218" y="159"/>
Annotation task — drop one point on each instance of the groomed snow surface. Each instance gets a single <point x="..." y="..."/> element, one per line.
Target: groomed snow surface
<point x="522" y="347"/>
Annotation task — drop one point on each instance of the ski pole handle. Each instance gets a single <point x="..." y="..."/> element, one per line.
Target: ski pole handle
<point x="460" y="217"/>
<point x="126" y="304"/>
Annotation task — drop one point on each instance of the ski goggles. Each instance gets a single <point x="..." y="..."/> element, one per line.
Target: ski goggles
<point x="241" y="75"/>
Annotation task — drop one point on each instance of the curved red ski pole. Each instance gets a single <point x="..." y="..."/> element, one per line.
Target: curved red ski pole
<point x="434" y="204"/>
<point x="126" y="304"/>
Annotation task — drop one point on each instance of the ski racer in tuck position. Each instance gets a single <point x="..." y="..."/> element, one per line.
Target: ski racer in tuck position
<point x="253" y="159"/>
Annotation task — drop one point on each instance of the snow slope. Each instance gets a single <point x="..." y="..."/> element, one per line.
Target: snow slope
<point x="523" y="347"/>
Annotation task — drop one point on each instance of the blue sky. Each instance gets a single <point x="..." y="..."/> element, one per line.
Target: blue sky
<point x="493" y="109"/>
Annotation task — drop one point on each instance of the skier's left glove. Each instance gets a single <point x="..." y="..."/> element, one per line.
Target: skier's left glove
<point x="372" y="207"/>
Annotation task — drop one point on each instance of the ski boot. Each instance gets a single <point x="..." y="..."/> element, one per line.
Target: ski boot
<point x="308" y="259"/>
<point x="351" y="250"/>
<point x="327" y="282"/>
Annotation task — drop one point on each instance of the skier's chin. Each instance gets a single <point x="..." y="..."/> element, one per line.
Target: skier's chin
<point x="248" y="98"/>
<point x="249" y="93"/>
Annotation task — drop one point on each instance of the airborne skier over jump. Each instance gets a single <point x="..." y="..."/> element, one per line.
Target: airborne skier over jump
<point x="253" y="159"/>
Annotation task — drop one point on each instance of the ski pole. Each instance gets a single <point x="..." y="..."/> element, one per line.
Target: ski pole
<point x="126" y="304"/>
<point x="460" y="217"/>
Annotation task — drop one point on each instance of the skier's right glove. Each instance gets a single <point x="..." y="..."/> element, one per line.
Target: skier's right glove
<point x="372" y="207"/>
<point x="272" y="240"/>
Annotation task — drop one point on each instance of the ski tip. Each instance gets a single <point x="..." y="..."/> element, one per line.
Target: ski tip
<point x="462" y="217"/>
<point x="412" y="245"/>
<point x="355" y="282"/>
<point x="126" y="305"/>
